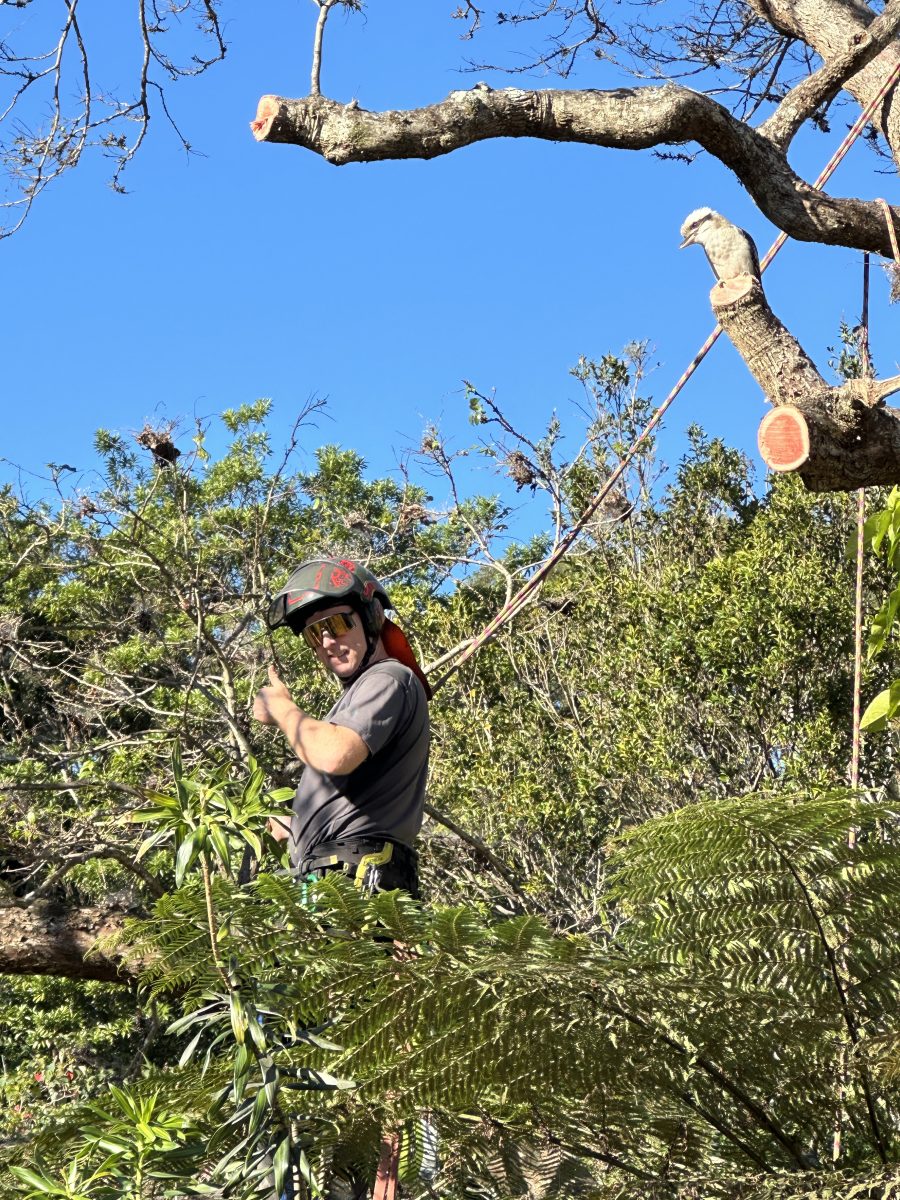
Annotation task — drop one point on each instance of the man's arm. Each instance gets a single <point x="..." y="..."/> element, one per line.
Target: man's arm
<point x="280" y="827"/>
<point x="332" y="749"/>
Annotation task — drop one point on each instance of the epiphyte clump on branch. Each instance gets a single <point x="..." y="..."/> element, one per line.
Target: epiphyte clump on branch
<point x="731" y="251"/>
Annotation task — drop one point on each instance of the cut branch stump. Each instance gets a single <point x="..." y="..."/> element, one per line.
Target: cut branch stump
<point x="836" y="438"/>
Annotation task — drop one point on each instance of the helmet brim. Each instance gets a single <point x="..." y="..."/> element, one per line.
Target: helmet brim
<point x="305" y="592"/>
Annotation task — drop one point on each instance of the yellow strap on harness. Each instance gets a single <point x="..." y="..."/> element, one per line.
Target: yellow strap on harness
<point x="377" y="859"/>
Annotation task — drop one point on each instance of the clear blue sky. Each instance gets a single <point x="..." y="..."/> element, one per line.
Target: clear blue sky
<point x="263" y="271"/>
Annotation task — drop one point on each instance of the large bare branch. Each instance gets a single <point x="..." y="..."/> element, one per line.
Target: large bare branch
<point x="822" y="86"/>
<point x="48" y="939"/>
<point x="829" y="27"/>
<point x="624" y="119"/>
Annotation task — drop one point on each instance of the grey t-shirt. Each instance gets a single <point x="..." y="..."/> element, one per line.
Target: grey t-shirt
<point x="384" y="796"/>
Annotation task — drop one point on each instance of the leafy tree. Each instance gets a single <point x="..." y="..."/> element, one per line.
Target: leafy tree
<point x="570" y="1019"/>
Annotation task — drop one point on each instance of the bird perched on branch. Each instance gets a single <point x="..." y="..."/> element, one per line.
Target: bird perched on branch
<point x="731" y="251"/>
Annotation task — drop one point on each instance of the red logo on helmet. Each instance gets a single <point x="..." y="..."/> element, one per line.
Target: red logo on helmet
<point x="348" y="563"/>
<point x="301" y="599"/>
<point x="340" y="578"/>
<point x="318" y="579"/>
<point x="368" y="591"/>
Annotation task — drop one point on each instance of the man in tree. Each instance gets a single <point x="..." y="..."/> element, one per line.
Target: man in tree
<point x="360" y="800"/>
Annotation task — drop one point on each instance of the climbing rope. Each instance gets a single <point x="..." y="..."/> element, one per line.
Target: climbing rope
<point x="524" y="594"/>
<point x="866" y="360"/>
<point x="866" y="363"/>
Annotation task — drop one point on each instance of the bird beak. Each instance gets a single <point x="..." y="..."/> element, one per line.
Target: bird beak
<point x="688" y="241"/>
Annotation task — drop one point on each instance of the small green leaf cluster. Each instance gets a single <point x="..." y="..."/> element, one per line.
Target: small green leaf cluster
<point x="122" y="1152"/>
<point x="211" y="816"/>
<point x="882" y="535"/>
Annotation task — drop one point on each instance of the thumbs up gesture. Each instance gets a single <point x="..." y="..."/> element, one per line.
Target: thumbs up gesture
<point x="271" y="699"/>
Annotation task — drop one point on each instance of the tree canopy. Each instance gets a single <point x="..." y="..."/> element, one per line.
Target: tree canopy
<point x="658" y="957"/>
<point x="650" y="963"/>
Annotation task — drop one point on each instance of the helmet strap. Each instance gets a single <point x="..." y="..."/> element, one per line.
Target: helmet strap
<point x="373" y="636"/>
<point x="371" y="644"/>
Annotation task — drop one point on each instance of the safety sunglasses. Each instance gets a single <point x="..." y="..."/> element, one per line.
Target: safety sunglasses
<point x="335" y="625"/>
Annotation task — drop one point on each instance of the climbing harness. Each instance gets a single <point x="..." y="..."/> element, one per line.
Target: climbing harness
<point x="373" y="864"/>
<point x="524" y="594"/>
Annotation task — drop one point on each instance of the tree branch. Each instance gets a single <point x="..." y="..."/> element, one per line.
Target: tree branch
<point x="823" y="85"/>
<point x="47" y="939"/>
<point x="101" y="850"/>
<point x="624" y="119"/>
<point x="828" y="27"/>
<point x="836" y="438"/>
<point x="482" y="849"/>
<point x="325" y="7"/>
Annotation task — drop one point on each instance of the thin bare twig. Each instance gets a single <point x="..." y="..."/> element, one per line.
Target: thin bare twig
<point x="325" y="7"/>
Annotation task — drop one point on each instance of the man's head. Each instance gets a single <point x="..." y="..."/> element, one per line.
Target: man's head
<point x="322" y="588"/>
<point x="336" y="635"/>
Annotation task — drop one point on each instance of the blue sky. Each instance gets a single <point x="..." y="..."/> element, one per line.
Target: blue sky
<point x="263" y="271"/>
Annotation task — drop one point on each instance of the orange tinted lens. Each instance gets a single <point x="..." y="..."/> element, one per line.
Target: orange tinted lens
<point x="334" y="625"/>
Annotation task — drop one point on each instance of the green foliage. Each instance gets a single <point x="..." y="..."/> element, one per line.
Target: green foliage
<point x="693" y="977"/>
<point x="749" y="948"/>
<point x="849" y="360"/>
<point x="882" y="534"/>
<point x="212" y="816"/>
<point x="128" y="1147"/>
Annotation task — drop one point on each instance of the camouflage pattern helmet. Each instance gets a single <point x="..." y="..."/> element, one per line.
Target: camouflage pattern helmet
<point x="321" y="582"/>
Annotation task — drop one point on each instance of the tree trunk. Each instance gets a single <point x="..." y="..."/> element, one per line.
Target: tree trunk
<point x="46" y="938"/>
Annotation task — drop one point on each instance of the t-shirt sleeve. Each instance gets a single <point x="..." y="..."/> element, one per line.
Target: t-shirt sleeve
<point x="379" y="701"/>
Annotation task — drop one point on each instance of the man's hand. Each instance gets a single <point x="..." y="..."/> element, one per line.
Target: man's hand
<point x="331" y="749"/>
<point x="271" y="699"/>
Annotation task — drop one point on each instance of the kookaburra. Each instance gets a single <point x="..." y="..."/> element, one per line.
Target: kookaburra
<point x="731" y="251"/>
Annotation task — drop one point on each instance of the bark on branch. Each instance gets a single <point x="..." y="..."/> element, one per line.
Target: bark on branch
<point x="625" y="119"/>
<point x="820" y="88"/>
<point x="836" y="438"/>
<point x="48" y="939"/>
<point x="829" y="27"/>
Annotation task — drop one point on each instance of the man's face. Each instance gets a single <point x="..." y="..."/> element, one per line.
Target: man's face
<point x="341" y="654"/>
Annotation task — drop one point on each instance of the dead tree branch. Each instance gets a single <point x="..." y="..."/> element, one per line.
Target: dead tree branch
<point x="325" y="7"/>
<point x="625" y="119"/>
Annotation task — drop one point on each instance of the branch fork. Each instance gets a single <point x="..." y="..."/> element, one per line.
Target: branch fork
<point x="838" y="438"/>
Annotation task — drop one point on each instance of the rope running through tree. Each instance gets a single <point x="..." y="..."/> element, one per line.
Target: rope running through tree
<point x="866" y="364"/>
<point x="521" y="598"/>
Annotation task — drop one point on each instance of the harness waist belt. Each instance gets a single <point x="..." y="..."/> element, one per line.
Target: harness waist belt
<point x="355" y="850"/>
